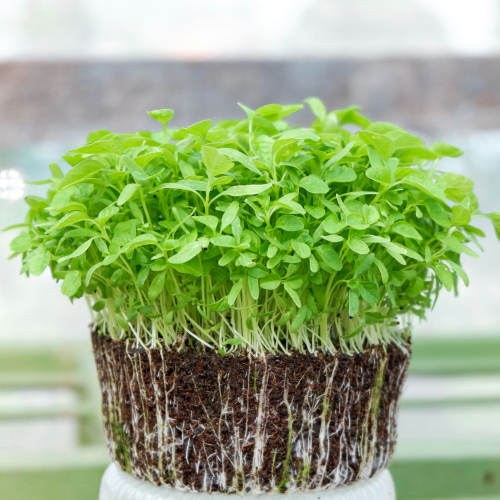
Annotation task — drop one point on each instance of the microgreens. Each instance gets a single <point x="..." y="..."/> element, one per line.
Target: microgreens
<point x="254" y="233"/>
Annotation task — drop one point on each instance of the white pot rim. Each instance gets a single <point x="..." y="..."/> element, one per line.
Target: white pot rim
<point x="118" y="485"/>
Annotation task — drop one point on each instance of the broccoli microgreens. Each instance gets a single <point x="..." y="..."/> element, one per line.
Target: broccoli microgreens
<point x="255" y="233"/>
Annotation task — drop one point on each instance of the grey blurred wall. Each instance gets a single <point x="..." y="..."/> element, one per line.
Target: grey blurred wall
<point x="62" y="101"/>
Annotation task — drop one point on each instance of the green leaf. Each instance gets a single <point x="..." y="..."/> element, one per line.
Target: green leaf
<point x="142" y="176"/>
<point x="376" y="160"/>
<point x="215" y="162"/>
<point x="330" y="257"/>
<point x="355" y="332"/>
<point x="353" y="302"/>
<point x="369" y="292"/>
<point x="416" y="154"/>
<point x="192" y="268"/>
<point x="317" y="107"/>
<point x="236" y="155"/>
<point x="270" y="282"/>
<point x="253" y="287"/>
<point x="97" y="135"/>
<point x="301" y="249"/>
<point x="199" y="129"/>
<point x="56" y="171"/>
<point x="339" y="155"/>
<point x="39" y="262"/>
<point x="249" y="112"/>
<point x="437" y="213"/>
<point x="287" y="202"/>
<point x="459" y="270"/>
<point x="143" y="160"/>
<point x="193" y="184"/>
<point x="190" y="251"/>
<point x="443" y="149"/>
<point x="208" y="220"/>
<point x="340" y="174"/>
<point x="316" y="212"/>
<point x="106" y="213"/>
<point x="162" y="115"/>
<point x="379" y="174"/>
<point x="248" y="190"/>
<point x="455" y="245"/>
<point x="229" y="214"/>
<point x="236" y="341"/>
<point x="127" y="193"/>
<point x="444" y="275"/>
<point x="417" y="286"/>
<point x="406" y="230"/>
<point x="425" y="185"/>
<point x="457" y="187"/>
<point x="21" y="243"/>
<point x="381" y="143"/>
<point x="68" y="207"/>
<point x="300" y="135"/>
<point x="237" y="229"/>
<point x="186" y="169"/>
<point x="169" y="317"/>
<point x="109" y="259"/>
<point x="99" y="305"/>
<point x="228" y="257"/>
<point x="71" y="284"/>
<point x="299" y="318"/>
<point x="495" y="219"/>
<point x="358" y="246"/>
<point x="350" y="115"/>
<point x="293" y="294"/>
<point x="290" y="223"/>
<point x="397" y="256"/>
<point x="314" y="185"/>
<point x="371" y="238"/>
<point x="357" y="221"/>
<point x="332" y="225"/>
<point x="234" y="292"/>
<point x="81" y="172"/>
<point x="68" y="220"/>
<point x="371" y="214"/>
<point x="220" y="181"/>
<point x="274" y="112"/>
<point x="79" y="251"/>
<point x="313" y="264"/>
<point x="383" y="271"/>
<point x="156" y="287"/>
<point x="224" y="241"/>
<point x="460" y="216"/>
<point x="395" y="247"/>
<point x="139" y="241"/>
<point x="143" y="276"/>
<point x="333" y="238"/>
<point x="91" y="271"/>
<point x="178" y="185"/>
<point x="99" y="147"/>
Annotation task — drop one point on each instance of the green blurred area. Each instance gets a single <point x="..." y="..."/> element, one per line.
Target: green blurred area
<point x="66" y="484"/>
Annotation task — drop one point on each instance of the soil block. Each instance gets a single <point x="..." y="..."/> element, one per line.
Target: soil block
<point x="246" y="423"/>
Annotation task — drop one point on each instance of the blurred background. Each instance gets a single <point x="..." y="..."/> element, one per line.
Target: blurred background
<point x="71" y="66"/>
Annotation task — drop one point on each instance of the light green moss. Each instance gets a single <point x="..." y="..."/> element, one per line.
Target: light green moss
<point x="122" y="445"/>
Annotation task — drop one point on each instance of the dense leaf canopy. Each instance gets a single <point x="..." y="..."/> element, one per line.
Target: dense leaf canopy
<point x="254" y="233"/>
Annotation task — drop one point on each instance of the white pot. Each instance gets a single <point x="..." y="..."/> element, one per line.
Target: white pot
<point x="117" y="485"/>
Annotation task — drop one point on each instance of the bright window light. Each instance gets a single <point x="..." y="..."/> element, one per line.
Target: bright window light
<point x="11" y="185"/>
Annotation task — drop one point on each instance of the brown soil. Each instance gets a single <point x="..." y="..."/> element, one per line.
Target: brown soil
<point x="205" y="422"/>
